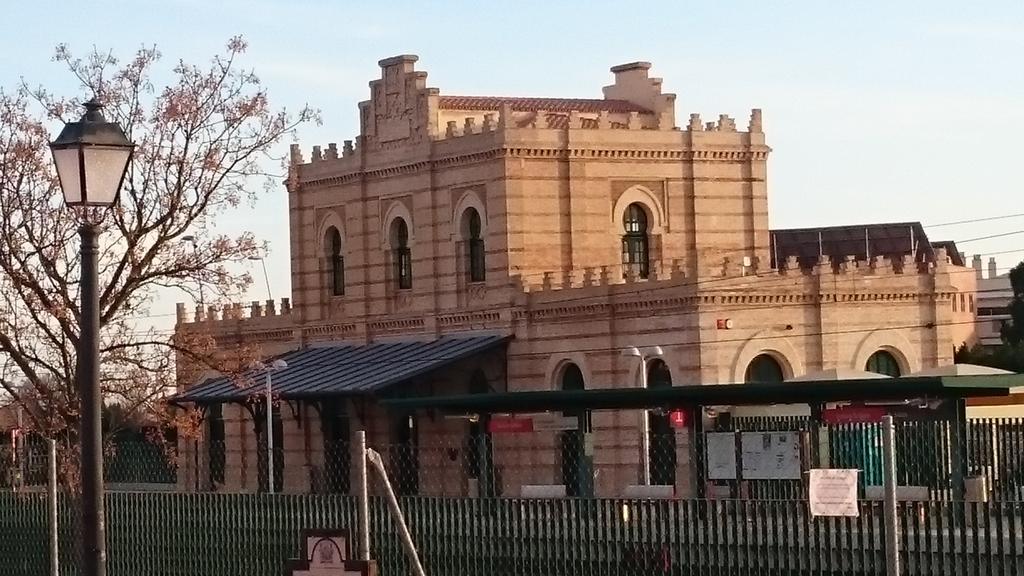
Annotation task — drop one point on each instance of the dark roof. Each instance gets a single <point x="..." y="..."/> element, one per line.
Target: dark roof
<point x="892" y="240"/>
<point x="884" y="389"/>
<point x="955" y="256"/>
<point x="534" y="104"/>
<point x="345" y="369"/>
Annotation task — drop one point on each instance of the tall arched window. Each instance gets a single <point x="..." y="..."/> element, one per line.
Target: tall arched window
<point x="635" y="253"/>
<point x="576" y="474"/>
<point x="764" y="369"/>
<point x="662" y="445"/>
<point x="335" y="262"/>
<point x="475" y="246"/>
<point x="882" y="362"/>
<point x="403" y="256"/>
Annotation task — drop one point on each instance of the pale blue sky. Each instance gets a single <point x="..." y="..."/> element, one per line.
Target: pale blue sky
<point x="876" y="111"/>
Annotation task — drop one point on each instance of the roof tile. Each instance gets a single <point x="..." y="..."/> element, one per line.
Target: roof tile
<point x="534" y="104"/>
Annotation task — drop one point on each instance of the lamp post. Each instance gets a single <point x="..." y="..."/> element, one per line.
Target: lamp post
<point x="278" y="364"/>
<point x="202" y="306"/>
<point x="645" y="429"/>
<point x="91" y="157"/>
<point x="265" y="277"/>
<point x="195" y="250"/>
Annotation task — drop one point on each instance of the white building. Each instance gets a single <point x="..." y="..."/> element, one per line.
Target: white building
<point x="994" y="296"/>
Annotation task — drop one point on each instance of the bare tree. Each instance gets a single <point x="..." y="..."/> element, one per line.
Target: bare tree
<point x="205" y="146"/>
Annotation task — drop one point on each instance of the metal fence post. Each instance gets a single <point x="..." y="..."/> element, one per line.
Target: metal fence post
<point x="892" y="541"/>
<point x="396" y="514"/>
<point x="362" y="497"/>
<point x="51" y="505"/>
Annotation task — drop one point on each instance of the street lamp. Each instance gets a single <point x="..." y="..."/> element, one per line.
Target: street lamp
<point x="265" y="277"/>
<point x="645" y="430"/>
<point x="91" y="157"/>
<point x="278" y="364"/>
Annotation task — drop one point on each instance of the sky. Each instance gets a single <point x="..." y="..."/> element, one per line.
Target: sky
<point x="875" y="111"/>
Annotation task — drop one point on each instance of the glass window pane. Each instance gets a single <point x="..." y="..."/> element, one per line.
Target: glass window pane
<point x="104" y="168"/>
<point x="68" y="171"/>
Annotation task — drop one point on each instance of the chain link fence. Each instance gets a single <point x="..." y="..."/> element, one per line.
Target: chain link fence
<point x="172" y="534"/>
<point x="598" y="464"/>
<point x="544" y="503"/>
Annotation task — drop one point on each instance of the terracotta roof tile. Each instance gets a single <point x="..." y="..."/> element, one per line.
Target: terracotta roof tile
<point x="533" y="104"/>
<point x="561" y="122"/>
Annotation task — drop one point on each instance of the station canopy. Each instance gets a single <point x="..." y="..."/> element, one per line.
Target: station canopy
<point x="917" y="389"/>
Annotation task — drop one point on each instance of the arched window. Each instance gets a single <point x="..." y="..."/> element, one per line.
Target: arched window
<point x="335" y="262"/>
<point x="882" y="362"/>
<point x="403" y="256"/>
<point x="764" y="369"/>
<point x="576" y="475"/>
<point x="635" y="253"/>
<point x="475" y="246"/>
<point x="662" y="438"/>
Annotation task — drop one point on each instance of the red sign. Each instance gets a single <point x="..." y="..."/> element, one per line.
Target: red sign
<point x="853" y="414"/>
<point x="506" y="425"/>
<point x="677" y="418"/>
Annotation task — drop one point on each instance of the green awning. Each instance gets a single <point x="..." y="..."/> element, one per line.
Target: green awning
<point x="810" y="392"/>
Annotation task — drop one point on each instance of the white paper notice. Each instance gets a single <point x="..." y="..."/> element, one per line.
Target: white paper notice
<point x="721" y="455"/>
<point x="833" y="492"/>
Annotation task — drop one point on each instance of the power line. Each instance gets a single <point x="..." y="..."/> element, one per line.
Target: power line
<point x="975" y="220"/>
<point x="991" y="236"/>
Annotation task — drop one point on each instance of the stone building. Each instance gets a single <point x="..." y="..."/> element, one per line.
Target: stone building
<point x="543" y="236"/>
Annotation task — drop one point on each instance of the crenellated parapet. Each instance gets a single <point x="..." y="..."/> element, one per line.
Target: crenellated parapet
<point x="234" y="312"/>
<point x="597" y="277"/>
<point x="726" y="123"/>
<point x="749" y="274"/>
<point x="407" y="126"/>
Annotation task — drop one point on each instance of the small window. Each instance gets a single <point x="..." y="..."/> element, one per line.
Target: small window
<point x="883" y="362"/>
<point x="403" y="256"/>
<point x="635" y="244"/>
<point x="970" y="303"/>
<point x="335" y="263"/>
<point x="475" y="244"/>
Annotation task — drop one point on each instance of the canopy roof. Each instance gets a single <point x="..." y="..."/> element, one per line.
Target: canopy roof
<point x="819" y="391"/>
<point x="343" y="369"/>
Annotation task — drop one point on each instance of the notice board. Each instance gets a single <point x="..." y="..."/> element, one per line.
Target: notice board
<point x="770" y="455"/>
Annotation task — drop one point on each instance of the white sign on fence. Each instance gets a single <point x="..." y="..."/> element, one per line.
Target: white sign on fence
<point x="721" y="455"/>
<point x="833" y="492"/>
<point x="770" y="455"/>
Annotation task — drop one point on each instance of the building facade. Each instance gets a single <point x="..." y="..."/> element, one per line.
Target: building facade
<point x="574" y="228"/>
<point x="994" y="296"/>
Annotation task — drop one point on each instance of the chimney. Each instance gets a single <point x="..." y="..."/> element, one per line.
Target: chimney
<point x="976" y="264"/>
<point x="993" y="271"/>
<point x="634" y="84"/>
